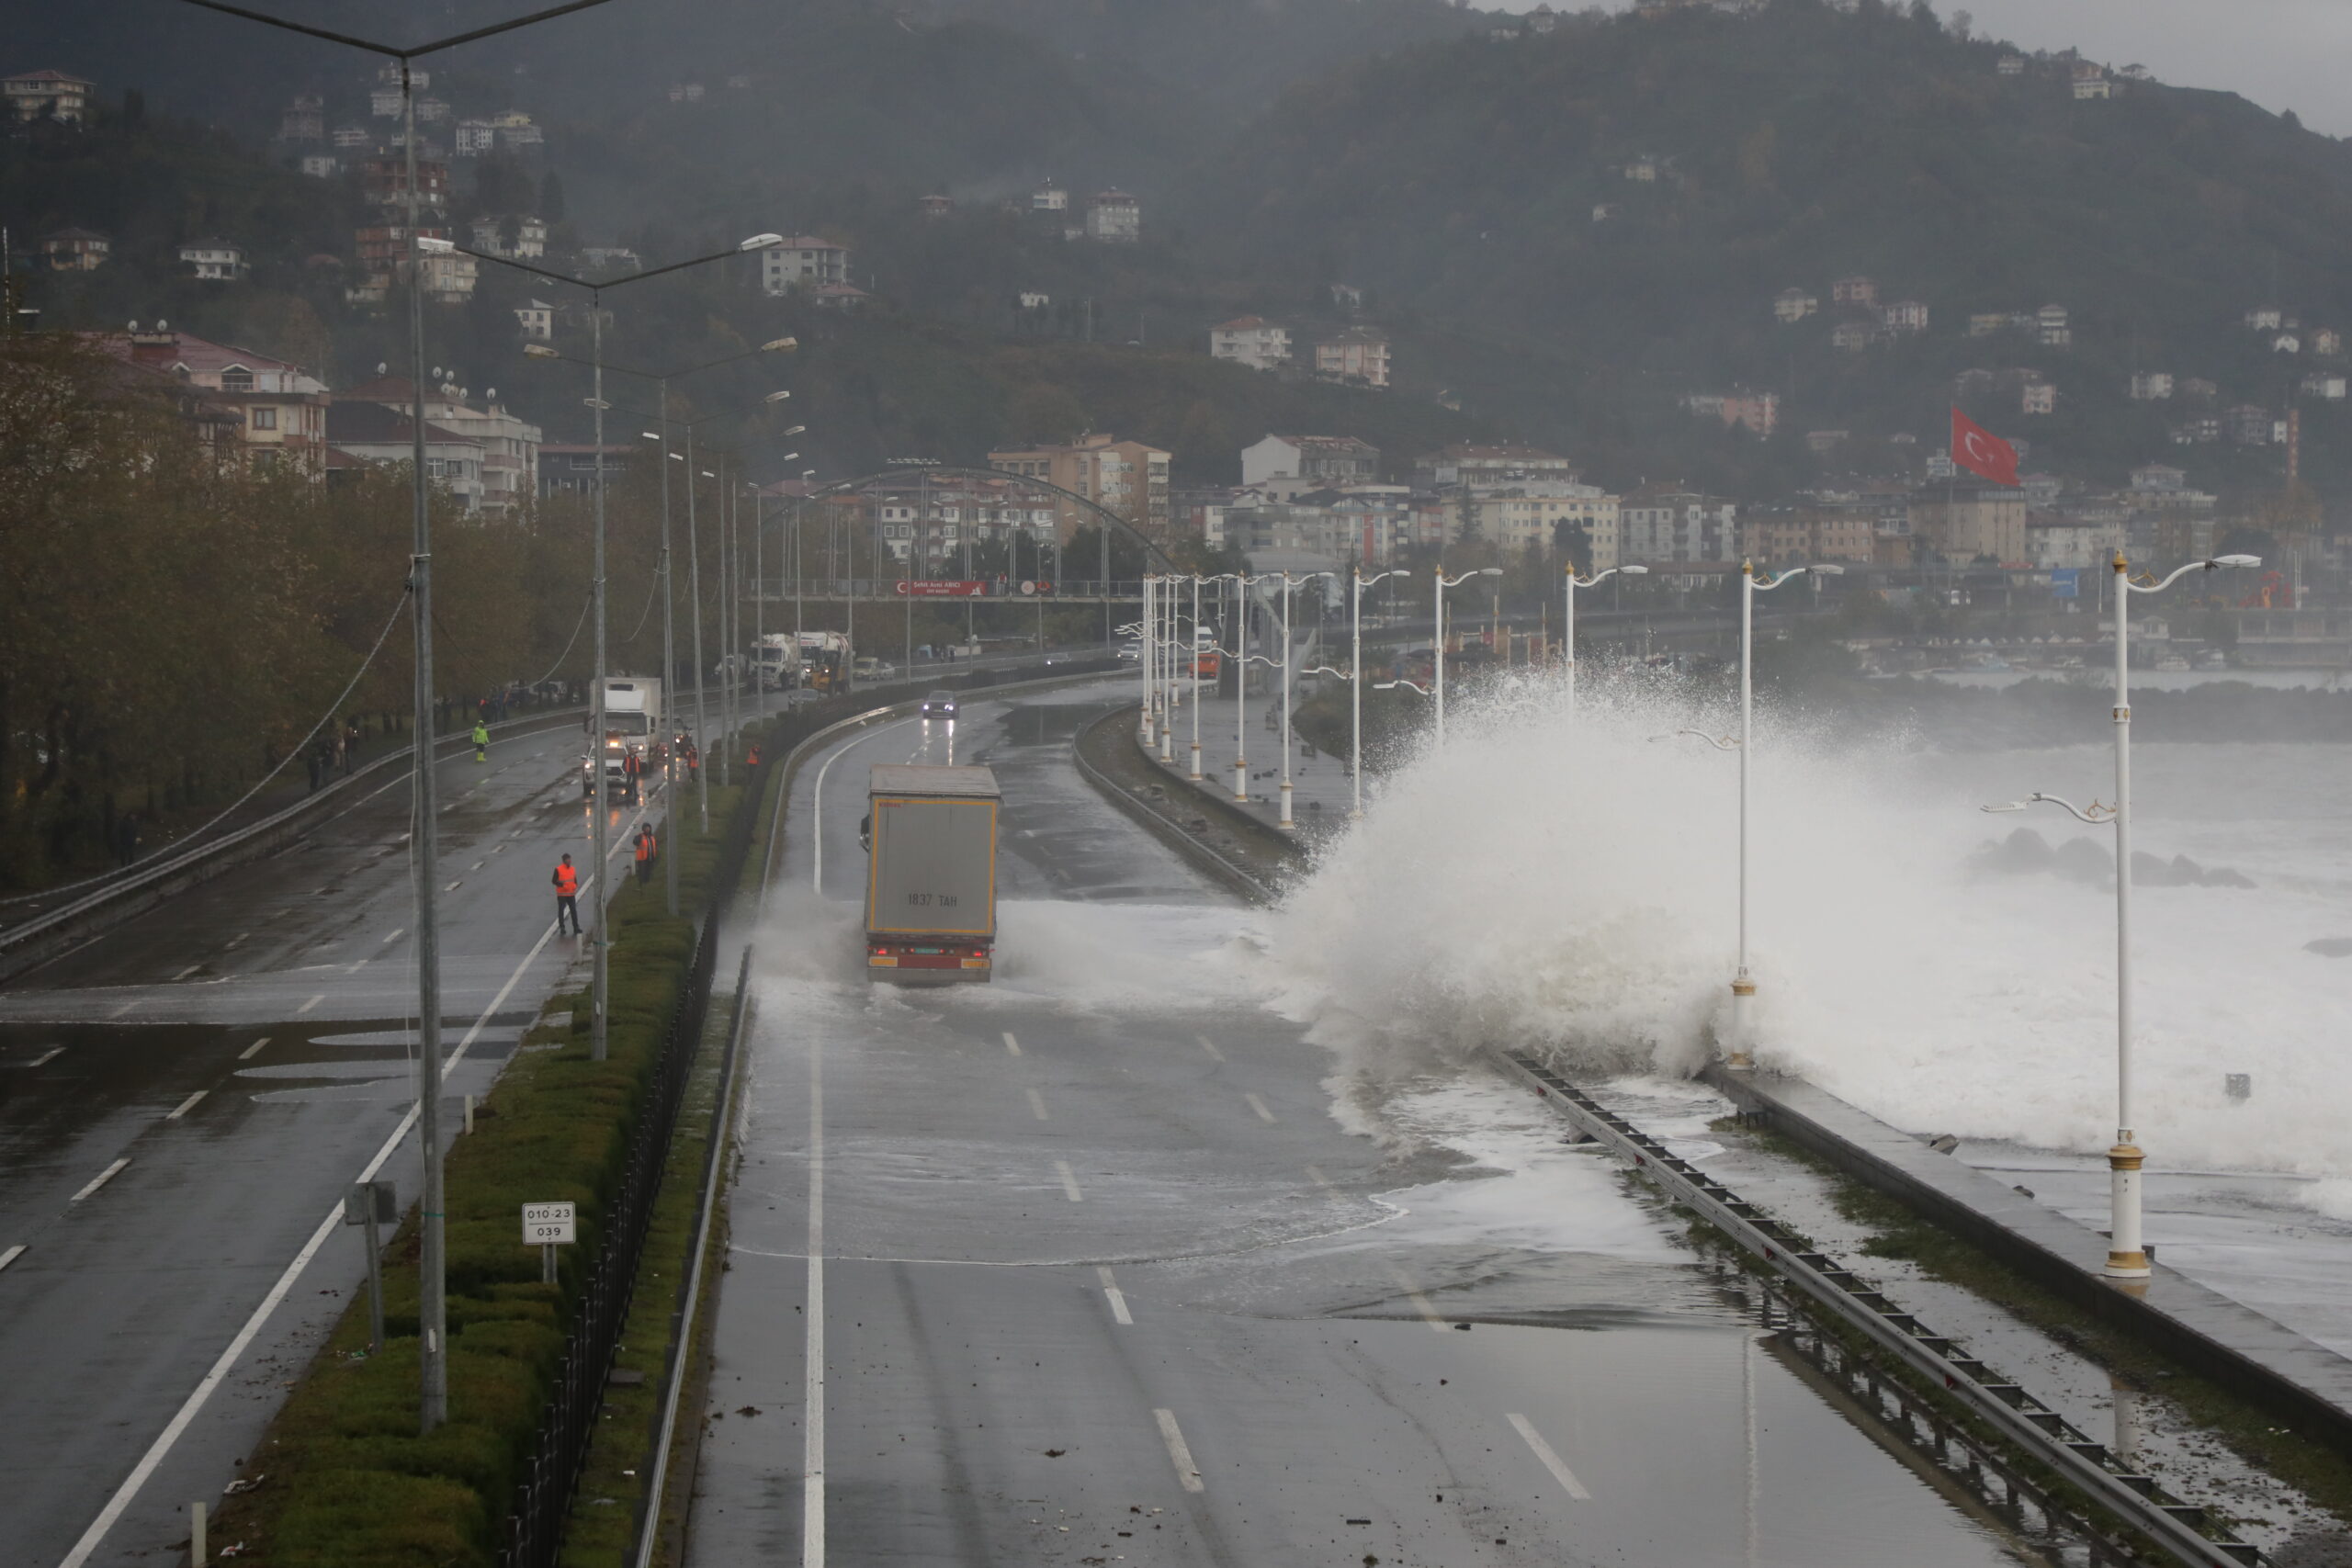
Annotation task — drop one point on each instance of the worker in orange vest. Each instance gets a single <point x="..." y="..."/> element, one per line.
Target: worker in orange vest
<point x="567" y="896"/>
<point x="646" y="849"/>
<point x="753" y="760"/>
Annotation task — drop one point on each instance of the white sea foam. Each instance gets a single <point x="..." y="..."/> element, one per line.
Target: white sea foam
<point x="1570" y="885"/>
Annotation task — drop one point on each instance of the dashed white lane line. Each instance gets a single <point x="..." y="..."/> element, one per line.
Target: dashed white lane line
<point x="1187" y="1473"/>
<point x="395" y="934"/>
<point x="12" y="1255"/>
<point x="1037" y="1106"/>
<point x="1117" y="1297"/>
<point x="1552" y="1461"/>
<point x="1210" y="1047"/>
<point x="250" y="1051"/>
<point x="476" y="866"/>
<point x="1258" y="1106"/>
<point x="186" y="1105"/>
<point x="1011" y="1044"/>
<point x="309" y="1005"/>
<point x="47" y="1056"/>
<point x="454" y="885"/>
<point x="187" y="972"/>
<point x="108" y="1174"/>
<point x="1069" y="1181"/>
<point x="236" y="939"/>
<point x="126" y="1007"/>
<point x="1321" y="1180"/>
<point x="1429" y="1315"/>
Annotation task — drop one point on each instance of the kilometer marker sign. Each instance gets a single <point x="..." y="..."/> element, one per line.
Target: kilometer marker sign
<point x="551" y="1224"/>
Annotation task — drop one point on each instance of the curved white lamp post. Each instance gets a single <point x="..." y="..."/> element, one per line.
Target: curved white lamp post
<point x="1568" y="623"/>
<point x="1438" y="678"/>
<point x="2127" y="1255"/>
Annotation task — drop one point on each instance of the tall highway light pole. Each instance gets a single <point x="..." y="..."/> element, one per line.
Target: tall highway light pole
<point x="1568" y="623"/>
<point x="1358" y="582"/>
<point x="432" y="1322"/>
<point x="1743" y="985"/>
<point x="2127" y="1255"/>
<point x="1289" y="583"/>
<point x="1438" y="676"/>
<point x="599" y="1010"/>
<point x="1242" y="582"/>
<point x="1194" y="659"/>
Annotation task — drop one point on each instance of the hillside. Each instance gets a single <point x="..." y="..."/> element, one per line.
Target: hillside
<point x="1792" y="147"/>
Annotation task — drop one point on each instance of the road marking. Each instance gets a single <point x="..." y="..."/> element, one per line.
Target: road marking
<point x="47" y="1056"/>
<point x="126" y="1007"/>
<point x="476" y="866"/>
<point x="108" y="1174"/>
<point x="1322" y="1181"/>
<point x="1069" y="1183"/>
<point x="1174" y="1436"/>
<point x="1210" y="1047"/>
<point x="1429" y="1315"/>
<point x="187" y="972"/>
<point x="1117" y="1297"/>
<point x="454" y="885"/>
<point x="397" y="932"/>
<point x="250" y="1051"/>
<point x="1037" y="1106"/>
<point x="170" y="1436"/>
<point x="812" y="1451"/>
<point x="187" y="1105"/>
<point x="1011" y="1044"/>
<point x="309" y="1005"/>
<point x="236" y="939"/>
<point x="1552" y="1461"/>
<point x="12" y="1255"/>
<point x="1258" y="1106"/>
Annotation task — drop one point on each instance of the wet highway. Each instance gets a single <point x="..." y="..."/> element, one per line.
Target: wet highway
<point x="181" y="1104"/>
<point x="1105" y="1262"/>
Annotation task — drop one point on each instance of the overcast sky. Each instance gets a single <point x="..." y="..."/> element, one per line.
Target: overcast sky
<point x="2283" y="54"/>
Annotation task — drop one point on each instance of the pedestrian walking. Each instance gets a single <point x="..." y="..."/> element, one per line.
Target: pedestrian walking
<point x="751" y="758"/>
<point x="647" y="848"/>
<point x="567" y="896"/>
<point x="482" y="741"/>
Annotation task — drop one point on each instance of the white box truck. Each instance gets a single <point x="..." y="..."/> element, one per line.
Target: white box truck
<point x="930" y="874"/>
<point x="633" y="719"/>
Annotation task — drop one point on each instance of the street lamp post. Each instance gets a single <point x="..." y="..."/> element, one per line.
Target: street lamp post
<point x="2127" y="1255"/>
<point x="1568" y="622"/>
<point x="1241" y="581"/>
<point x="1194" y="662"/>
<point x="1289" y="581"/>
<point x="432" y="1263"/>
<point x="1438" y="677"/>
<point x="1358" y="582"/>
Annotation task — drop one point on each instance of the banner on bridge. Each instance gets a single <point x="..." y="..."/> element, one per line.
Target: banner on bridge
<point x="942" y="589"/>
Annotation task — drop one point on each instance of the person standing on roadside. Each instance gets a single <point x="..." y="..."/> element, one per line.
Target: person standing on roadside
<point x="567" y="896"/>
<point x="647" y="848"/>
<point x="482" y="741"/>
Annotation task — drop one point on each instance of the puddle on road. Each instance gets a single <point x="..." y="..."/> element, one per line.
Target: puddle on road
<point x="1697" y="1446"/>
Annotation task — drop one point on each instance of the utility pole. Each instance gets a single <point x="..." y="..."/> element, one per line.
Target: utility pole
<point x="669" y="675"/>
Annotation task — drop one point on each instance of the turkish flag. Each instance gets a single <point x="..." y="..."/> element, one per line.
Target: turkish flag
<point x="1980" y="452"/>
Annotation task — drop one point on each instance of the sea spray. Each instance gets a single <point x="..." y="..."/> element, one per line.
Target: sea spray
<point x="1568" y="883"/>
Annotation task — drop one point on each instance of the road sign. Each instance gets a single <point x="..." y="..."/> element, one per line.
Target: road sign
<point x="2066" y="584"/>
<point x="549" y="1224"/>
<point x="357" y="1200"/>
<point x="920" y="589"/>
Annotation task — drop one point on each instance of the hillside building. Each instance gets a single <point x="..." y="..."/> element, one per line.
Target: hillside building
<point x="1473" y="464"/>
<point x="803" y="261"/>
<point x="1793" y="305"/>
<point x="74" y="250"/>
<point x="1125" y="478"/>
<point x="280" y="407"/>
<point x="1355" y="354"/>
<point x="1328" y="461"/>
<point x="502" y="471"/>
<point x="1970" y="522"/>
<point x="2052" y="327"/>
<point x="303" y="120"/>
<point x="1856" y="291"/>
<point x="2151" y="385"/>
<point x="1048" y="197"/>
<point x="1905" y="316"/>
<point x="1113" y="218"/>
<point x="1252" y="341"/>
<point x="47" y="95"/>
<point x="1664" y="523"/>
<point x="219" y="260"/>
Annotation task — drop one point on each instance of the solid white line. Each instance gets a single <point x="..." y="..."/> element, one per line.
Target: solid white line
<point x="812" y="1451"/>
<point x="164" y="1440"/>
<point x="1258" y="1106"/>
<point x="309" y="1005"/>
<point x="1011" y="1044"/>
<point x="1037" y="1105"/>
<point x="1069" y="1183"/>
<point x="186" y="1105"/>
<point x="1118" y="1297"/>
<point x="108" y="1174"/>
<point x="250" y="1051"/>
<point x="1187" y="1474"/>
<point x="1210" y="1047"/>
<point x="12" y="1255"/>
<point x="47" y="1056"/>
<point x="1552" y="1461"/>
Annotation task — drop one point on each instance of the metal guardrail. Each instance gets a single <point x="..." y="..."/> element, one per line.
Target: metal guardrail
<point x="2188" y="1533"/>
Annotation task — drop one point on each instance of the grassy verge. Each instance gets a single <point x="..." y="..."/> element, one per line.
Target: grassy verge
<point x="2316" y="1470"/>
<point x="349" y="1483"/>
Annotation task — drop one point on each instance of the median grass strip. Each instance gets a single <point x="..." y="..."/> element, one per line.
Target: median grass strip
<point x="345" y="1481"/>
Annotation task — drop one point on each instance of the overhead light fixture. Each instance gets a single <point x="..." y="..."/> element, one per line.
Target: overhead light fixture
<point x="775" y="397"/>
<point x="539" y="351"/>
<point x="780" y="345"/>
<point x="761" y="241"/>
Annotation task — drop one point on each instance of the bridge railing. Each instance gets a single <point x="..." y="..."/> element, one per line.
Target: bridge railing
<point x="988" y="590"/>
